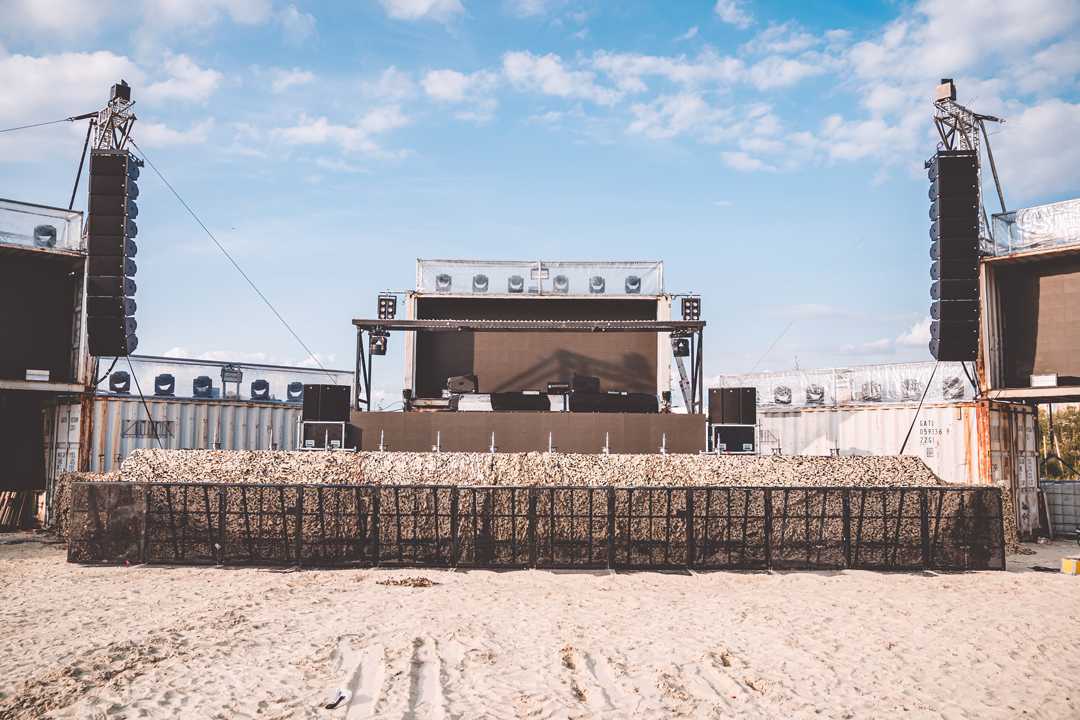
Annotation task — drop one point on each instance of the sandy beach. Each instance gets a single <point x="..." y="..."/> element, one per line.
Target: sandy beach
<point x="165" y="642"/>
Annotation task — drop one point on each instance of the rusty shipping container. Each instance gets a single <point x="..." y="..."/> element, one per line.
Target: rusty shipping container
<point x="966" y="443"/>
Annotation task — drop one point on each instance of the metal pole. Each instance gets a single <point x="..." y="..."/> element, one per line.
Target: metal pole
<point x="82" y="159"/>
<point x="993" y="165"/>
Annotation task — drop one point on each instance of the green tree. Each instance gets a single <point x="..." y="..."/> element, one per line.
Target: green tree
<point x="1067" y="430"/>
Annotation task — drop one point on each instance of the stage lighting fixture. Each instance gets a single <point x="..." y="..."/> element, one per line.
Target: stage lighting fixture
<point x="561" y="284"/>
<point x="45" y="236"/>
<point x="691" y="307"/>
<point x="202" y="387"/>
<point x="377" y="342"/>
<point x="782" y="395"/>
<point x="515" y="284"/>
<point x="387" y="306"/>
<point x="164" y="385"/>
<point x="680" y="347"/>
<point x="120" y="382"/>
<point x="952" y="388"/>
<point x="443" y="282"/>
<point x="596" y="284"/>
<point x="633" y="284"/>
<point x="479" y="283"/>
<point x="815" y="394"/>
<point x="260" y="390"/>
<point x="294" y="392"/>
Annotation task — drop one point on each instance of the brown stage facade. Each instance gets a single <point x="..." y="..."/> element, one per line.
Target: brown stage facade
<point x="529" y="431"/>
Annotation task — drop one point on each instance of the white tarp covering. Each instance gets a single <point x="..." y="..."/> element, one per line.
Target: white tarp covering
<point x="1037" y="227"/>
<point x="867" y="384"/>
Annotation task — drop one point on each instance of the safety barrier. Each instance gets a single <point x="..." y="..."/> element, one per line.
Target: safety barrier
<point x="701" y="528"/>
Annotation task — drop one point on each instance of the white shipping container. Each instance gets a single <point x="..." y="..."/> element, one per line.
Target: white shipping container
<point x="944" y="435"/>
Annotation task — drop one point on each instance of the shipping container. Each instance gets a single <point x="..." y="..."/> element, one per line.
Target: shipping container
<point x="120" y="425"/>
<point x="966" y="443"/>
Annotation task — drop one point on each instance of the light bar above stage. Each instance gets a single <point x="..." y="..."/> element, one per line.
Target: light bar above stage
<point x="658" y="326"/>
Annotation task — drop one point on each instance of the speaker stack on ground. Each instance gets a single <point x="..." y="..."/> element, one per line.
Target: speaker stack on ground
<point x="324" y="417"/>
<point x="733" y="420"/>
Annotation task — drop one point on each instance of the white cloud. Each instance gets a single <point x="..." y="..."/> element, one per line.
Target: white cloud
<point x="201" y="13"/>
<point x="66" y="83"/>
<point x="187" y="81"/>
<point x="281" y="79"/>
<point x="453" y="86"/>
<point x="785" y="38"/>
<point x="392" y="84"/>
<point x="150" y="134"/>
<point x="533" y="8"/>
<point x="297" y="25"/>
<point x="672" y="115"/>
<point x="777" y="72"/>
<point x="689" y="34"/>
<point x="450" y="86"/>
<point x="1036" y="152"/>
<point x="64" y="18"/>
<point x="744" y="162"/>
<point x="548" y="75"/>
<point x="627" y="70"/>
<point x="438" y="10"/>
<point x="350" y="138"/>
<point x="917" y="336"/>
<point x="733" y="13"/>
<point x="338" y="165"/>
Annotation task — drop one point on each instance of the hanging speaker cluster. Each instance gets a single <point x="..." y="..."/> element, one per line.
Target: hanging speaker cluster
<point x="954" y="255"/>
<point x="111" y="249"/>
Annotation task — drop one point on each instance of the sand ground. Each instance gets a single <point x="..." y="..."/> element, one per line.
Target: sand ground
<point x="158" y="642"/>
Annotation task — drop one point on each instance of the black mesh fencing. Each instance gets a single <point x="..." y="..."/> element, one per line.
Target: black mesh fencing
<point x="700" y="528"/>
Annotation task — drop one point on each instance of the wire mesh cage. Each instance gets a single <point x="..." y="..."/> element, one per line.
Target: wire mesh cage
<point x="704" y="528"/>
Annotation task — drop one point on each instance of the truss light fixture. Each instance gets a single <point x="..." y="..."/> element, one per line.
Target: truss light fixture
<point x="691" y="307"/>
<point x="387" y="306"/>
<point x="378" y="340"/>
<point x="515" y="284"/>
<point x="443" y="282"/>
<point x="480" y="283"/>
<point x="597" y="284"/>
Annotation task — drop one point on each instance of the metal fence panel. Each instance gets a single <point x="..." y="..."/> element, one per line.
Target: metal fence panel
<point x="729" y="529"/>
<point x="572" y="527"/>
<point x="106" y="523"/>
<point x="704" y="528"/>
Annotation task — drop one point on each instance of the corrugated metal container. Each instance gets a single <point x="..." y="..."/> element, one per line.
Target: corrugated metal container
<point x="120" y="425"/>
<point x="973" y="443"/>
<point x="945" y="436"/>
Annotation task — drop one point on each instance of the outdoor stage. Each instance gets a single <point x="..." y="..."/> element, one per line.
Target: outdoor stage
<point x="528" y="431"/>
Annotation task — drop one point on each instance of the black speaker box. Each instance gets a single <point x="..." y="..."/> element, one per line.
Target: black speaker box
<point x="463" y="384"/>
<point x="585" y="383"/>
<point x="519" y="402"/>
<point x="613" y="402"/>
<point x="329" y="403"/>
<point x="736" y="406"/>
<point x="733" y="438"/>
<point x="322" y="436"/>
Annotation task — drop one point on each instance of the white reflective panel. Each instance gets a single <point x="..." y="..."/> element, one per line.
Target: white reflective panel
<point x="1037" y="227"/>
<point x="497" y="277"/>
<point x="37" y="226"/>
<point x="862" y="385"/>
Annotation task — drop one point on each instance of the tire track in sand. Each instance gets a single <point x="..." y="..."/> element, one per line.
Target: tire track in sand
<point x="426" y="698"/>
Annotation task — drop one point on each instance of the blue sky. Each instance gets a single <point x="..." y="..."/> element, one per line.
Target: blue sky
<point x="770" y="153"/>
